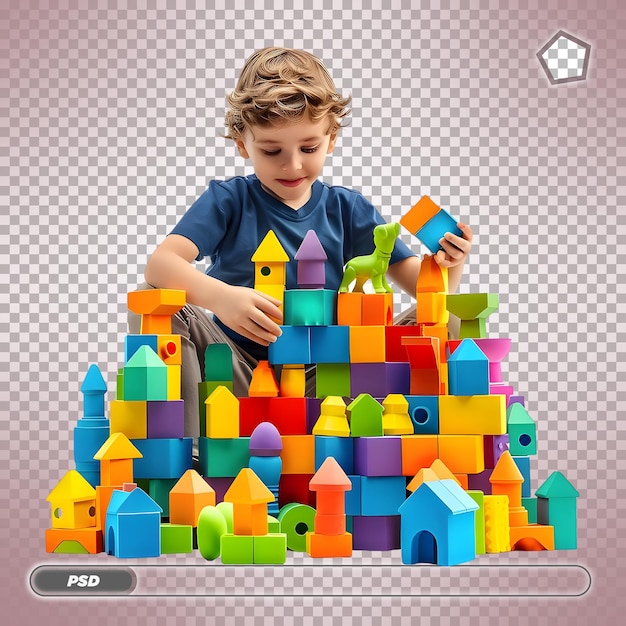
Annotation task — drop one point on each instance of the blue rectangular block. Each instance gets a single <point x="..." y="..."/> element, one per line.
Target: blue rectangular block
<point x="340" y="448"/>
<point x="330" y="344"/>
<point x="424" y="413"/>
<point x="132" y="343"/>
<point x="292" y="347"/>
<point x="89" y="435"/>
<point x="523" y="464"/>
<point x="162" y="458"/>
<point x="435" y="228"/>
<point x="353" y="496"/>
<point x="382" y="495"/>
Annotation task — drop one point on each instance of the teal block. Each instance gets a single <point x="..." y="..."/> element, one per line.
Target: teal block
<point x="223" y="457"/>
<point x="145" y="376"/>
<point x="332" y="379"/>
<point x="310" y="307"/>
<point x="530" y="504"/>
<point x="382" y="495"/>
<point x="522" y="431"/>
<point x="330" y="344"/>
<point x="159" y="491"/>
<point x="218" y="362"/>
<point x="523" y="465"/>
<point x="237" y="549"/>
<point x="162" y="458"/>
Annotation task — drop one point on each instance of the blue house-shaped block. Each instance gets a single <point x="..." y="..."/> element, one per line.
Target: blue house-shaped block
<point x="133" y="525"/>
<point x="438" y="525"/>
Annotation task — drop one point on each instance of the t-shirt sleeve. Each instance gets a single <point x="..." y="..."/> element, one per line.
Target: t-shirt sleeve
<point x="364" y="217"/>
<point x="207" y="220"/>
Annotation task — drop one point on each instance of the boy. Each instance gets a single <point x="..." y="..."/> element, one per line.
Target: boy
<point x="285" y="115"/>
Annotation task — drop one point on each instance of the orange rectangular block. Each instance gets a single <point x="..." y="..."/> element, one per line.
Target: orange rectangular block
<point x="431" y="308"/>
<point x="250" y="519"/>
<point x="422" y="211"/>
<point x="463" y="480"/>
<point x="298" y="454"/>
<point x="432" y="277"/>
<point x="89" y="538"/>
<point x="377" y="309"/>
<point x="169" y="349"/>
<point x="350" y="309"/>
<point x="462" y="454"/>
<point x="532" y="537"/>
<point x="103" y="497"/>
<point x="320" y="546"/>
<point x="367" y="344"/>
<point x="332" y="524"/>
<point x="418" y="451"/>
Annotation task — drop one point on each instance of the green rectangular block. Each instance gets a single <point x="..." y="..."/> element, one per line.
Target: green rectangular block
<point x="332" y="379"/>
<point x="218" y="362"/>
<point x="237" y="549"/>
<point x="176" y="539"/>
<point x="479" y="517"/>
<point x="119" y="389"/>
<point x="270" y="549"/>
<point x="530" y="504"/>
<point x="223" y="457"/>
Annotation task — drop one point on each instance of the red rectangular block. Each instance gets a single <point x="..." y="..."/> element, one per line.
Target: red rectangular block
<point x="394" y="350"/>
<point x="287" y="414"/>
<point x="295" y="488"/>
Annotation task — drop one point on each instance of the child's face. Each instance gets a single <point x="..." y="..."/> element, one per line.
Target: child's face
<point x="288" y="158"/>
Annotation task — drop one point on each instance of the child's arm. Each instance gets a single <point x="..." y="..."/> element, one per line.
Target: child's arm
<point x="244" y="310"/>
<point x="453" y="256"/>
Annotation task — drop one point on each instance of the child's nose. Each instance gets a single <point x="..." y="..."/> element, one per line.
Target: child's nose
<point x="293" y="162"/>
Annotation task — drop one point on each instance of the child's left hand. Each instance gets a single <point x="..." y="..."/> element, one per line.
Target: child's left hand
<point x="455" y="249"/>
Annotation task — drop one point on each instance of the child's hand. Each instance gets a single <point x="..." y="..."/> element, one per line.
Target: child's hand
<point x="455" y="249"/>
<point x="248" y="313"/>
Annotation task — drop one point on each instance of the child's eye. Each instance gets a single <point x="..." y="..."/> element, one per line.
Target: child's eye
<point x="271" y="152"/>
<point x="309" y="150"/>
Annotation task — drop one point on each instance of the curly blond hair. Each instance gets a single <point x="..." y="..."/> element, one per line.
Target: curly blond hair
<point x="280" y="85"/>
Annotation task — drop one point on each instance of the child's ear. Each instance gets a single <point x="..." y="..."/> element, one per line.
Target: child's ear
<point x="241" y="146"/>
<point x="331" y="143"/>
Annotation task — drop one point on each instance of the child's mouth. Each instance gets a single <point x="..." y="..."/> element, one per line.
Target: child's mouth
<point x="290" y="183"/>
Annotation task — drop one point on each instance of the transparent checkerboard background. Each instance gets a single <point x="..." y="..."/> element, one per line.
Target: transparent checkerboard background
<point x="111" y="122"/>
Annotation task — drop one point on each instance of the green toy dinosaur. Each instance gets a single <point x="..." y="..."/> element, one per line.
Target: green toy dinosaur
<point x="372" y="266"/>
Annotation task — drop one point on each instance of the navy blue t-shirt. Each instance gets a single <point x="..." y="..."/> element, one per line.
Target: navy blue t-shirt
<point x="230" y="219"/>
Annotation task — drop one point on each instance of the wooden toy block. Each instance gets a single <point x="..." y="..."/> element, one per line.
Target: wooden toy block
<point x="376" y="532"/>
<point x="74" y="541"/>
<point x="382" y="495"/>
<point x="443" y="471"/>
<point x="132" y="343"/>
<point x="423" y="355"/>
<point x="133" y="523"/>
<point x="156" y="307"/>
<point x="340" y="448"/>
<point x="218" y="362"/>
<point x="353" y="496"/>
<point x="332" y="379"/>
<point x="438" y="525"/>
<point x="116" y="460"/>
<point x="330" y="344"/>
<point x="497" y="531"/>
<point x="263" y="383"/>
<point x="169" y="349"/>
<point x="250" y="498"/>
<point x="372" y="267"/>
<point x="205" y="389"/>
<point x="119" y="384"/>
<point x="158" y="489"/>
<point x="174" y="379"/>
<point x="223" y="457"/>
<point x="292" y="347"/>
<point x="188" y="497"/>
<point x="365" y="416"/>
<point x="419" y="214"/>
<point x="378" y="456"/>
<point x="333" y="421"/>
<point x="93" y="389"/>
<point x="129" y="417"/>
<point x="222" y="414"/>
<point x="298" y="454"/>
<point x="89" y="434"/>
<point x="462" y="454"/>
<point x="495" y="445"/>
<point x="506" y="479"/>
<point x="396" y="418"/>
<point x="212" y="526"/>
<point x="394" y="349"/>
<point x="270" y="549"/>
<point x="377" y="309"/>
<point x="292" y="381"/>
<point x="523" y="465"/>
<point x="237" y="549"/>
<point x="436" y="227"/>
<point x="162" y="458"/>
<point x="103" y="497"/>
<point x="424" y="414"/>
<point x="367" y="344"/>
<point x="265" y="448"/>
<point x="522" y="431"/>
<point x="320" y="546"/>
<point x="472" y="415"/>
<point x="432" y="277"/>
<point x="431" y="308"/>
<point x="556" y="506"/>
<point x="269" y="262"/>
<point x="350" y="309"/>
<point x="530" y="504"/>
<point x="73" y="502"/>
<point x="480" y="482"/>
<point x="418" y="451"/>
<point x="145" y="376"/>
<point x="380" y="379"/>
<point x="532" y="537"/>
<point x="472" y="309"/>
<point x="468" y="370"/>
<point x="287" y="414"/>
<point x="463" y="480"/>
<point x="311" y="258"/>
<point x="295" y="521"/>
<point x="424" y="475"/>
<point x="166" y="419"/>
<point x="295" y="488"/>
<point x="310" y="307"/>
<point x="176" y="539"/>
<point x="330" y="524"/>
<point x="479" y="498"/>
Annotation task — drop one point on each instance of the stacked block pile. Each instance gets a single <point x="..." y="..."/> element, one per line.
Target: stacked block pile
<point x="412" y="441"/>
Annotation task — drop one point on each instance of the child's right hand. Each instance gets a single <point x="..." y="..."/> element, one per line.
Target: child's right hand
<point x="248" y="312"/>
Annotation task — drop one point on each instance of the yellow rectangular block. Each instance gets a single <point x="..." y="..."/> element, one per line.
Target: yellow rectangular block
<point x="418" y="451"/>
<point x="298" y="454"/>
<point x="173" y="382"/>
<point x="472" y="415"/>
<point x="367" y="344"/>
<point x="462" y="454"/>
<point x="497" y="528"/>
<point x="129" y="417"/>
